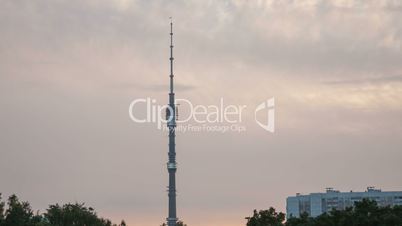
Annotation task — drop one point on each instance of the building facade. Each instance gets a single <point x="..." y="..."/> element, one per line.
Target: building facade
<point x="316" y="204"/>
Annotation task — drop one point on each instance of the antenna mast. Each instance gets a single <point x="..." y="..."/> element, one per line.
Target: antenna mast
<point x="171" y="124"/>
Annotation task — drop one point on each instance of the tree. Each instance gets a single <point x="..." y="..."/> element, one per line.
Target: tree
<point x="179" y="223"/>
<point x="364" y="213"/>
<point x="2" y="204"/>
<point x="303" y="220"/>
<point x="18" y="213"/>
<point x="266" y="218"/>
<point x="74" y="215"/>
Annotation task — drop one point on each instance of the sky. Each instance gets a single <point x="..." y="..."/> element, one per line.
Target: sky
<point x="69" y="70"/>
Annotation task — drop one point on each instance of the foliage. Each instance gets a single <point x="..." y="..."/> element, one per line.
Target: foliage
<point x="20" y="214"/>
<point x="266" y="218"/>
<point x="179" y="223"/>
<point x="364" y="213"/>
<point x="74" y="214"/>
<point x="2" y="204"/>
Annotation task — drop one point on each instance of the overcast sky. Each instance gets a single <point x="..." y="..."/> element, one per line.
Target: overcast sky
<point x="69" y="70"/>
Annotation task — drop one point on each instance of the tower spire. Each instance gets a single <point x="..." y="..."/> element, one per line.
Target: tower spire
<point x="171" y="124"/>
<point x="171" y="55"/>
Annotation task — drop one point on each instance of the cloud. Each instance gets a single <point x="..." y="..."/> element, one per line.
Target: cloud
<point x="372" y="80"/>
<point x="156" y="88"/>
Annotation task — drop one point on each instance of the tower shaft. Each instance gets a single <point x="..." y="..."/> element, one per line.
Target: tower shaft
<point x="171" y="124"/>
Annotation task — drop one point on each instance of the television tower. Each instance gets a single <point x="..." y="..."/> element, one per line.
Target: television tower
<point x="171" y="124"/>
